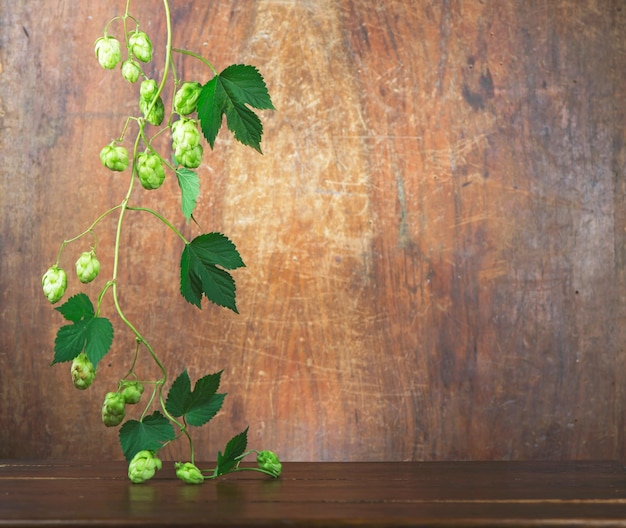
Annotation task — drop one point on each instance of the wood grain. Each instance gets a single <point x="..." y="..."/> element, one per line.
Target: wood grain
<point x="372" y="494"/>
<point x="434" y="236"/>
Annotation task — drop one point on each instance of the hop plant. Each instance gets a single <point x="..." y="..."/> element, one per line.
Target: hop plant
<point x="82" y="371"/>
<point x="188" y="473"/>
<point x="54" y="283"/>
<point x="143" y="466"/>
<point x="113" y="409"/>
<point x="87" y="267"/>
<point x="269" y="462"/>
<point x="131" y="70"/>
<point x="140" y="46"/>
<point x="87" y="335"/>
<point x="108" y="52"/>
<point x="150" y="170"/>
<point x="132" y="392"/>
<point x="186" y="98"/>
<point x="114" y="157"/>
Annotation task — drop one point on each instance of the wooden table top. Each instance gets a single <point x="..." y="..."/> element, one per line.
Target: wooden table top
<point x="320" y="494"/>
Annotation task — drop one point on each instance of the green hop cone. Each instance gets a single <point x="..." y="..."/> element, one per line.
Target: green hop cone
<point x="114" y="157"/>
<point x="185" y="134"/>
<point x="186" y="143"/>
<point x="186" y="98"/>
<point x="131" y="70"/>
<point x="54" y="283"/>
<point x="150" y="170"/>
<point x="87" y="267"/>
<point x="132" y="392"/>
<point x="83" y="372"/>
<point x="148" y="89"/>
<point x="140" y="46"/>
<point x="154" y="114"/>
<point x="143" y="466"/>
<point x="113" y="409"/>
<point x="188" y="473"/>
<point x="108" y="52"/>
<point x="189" y="158"/>
<point x="268" y="461"/>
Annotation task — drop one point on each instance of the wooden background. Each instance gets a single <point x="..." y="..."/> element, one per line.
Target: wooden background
<point x="434" y="236"/>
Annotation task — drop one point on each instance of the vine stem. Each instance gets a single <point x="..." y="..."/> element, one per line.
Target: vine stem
<point x="88" y="230"/>
<point x="168" y="58"/>
<point x="196" y="56"/>
<point x="124" y="206"/>
<point x="162" y="218"/>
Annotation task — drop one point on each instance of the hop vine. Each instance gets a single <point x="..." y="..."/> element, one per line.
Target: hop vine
<point x="198" y="108"/>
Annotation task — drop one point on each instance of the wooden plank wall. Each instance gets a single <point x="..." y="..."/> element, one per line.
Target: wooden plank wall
<point x="434" y="236"/>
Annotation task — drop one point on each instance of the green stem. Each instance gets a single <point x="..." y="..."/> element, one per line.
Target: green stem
<point x="131" y="370"/>
<point x="162" y="218"/>
<point x="128" y="120"/>
<point x="196" y="56"/>
<point x="86" y="231"/>
<point x="124" y="207"/>
<point x="235" y="470"/>
<point x="191" y="449"/>
<point x="168" y="53"/>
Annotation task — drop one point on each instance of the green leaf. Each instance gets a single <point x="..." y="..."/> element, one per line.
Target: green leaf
<point x="189" y="184"/>
<point x="235" y="447"/>
<point x="198" y="406"/>
<point x="227" y="94"/>
<point x="87" y="332"/>
<point x="245" y="84"/>
<point x="77" y="307"/>
<point x="199" y="272"/>
<point x="211" y="108"/>
<point x="151" y="433"/>
<point x="245" y="125"/>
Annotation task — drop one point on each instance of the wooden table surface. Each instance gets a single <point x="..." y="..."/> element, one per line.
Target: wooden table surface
<point x="320" y="494"/>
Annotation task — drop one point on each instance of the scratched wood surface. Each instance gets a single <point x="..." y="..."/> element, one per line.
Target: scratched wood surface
<point x="434" y="236"/>
<point x="327" y="494"/>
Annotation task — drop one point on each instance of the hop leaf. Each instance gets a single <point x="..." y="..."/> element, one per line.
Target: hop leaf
<point x="189" y="184"/>
<point x="228" y="94"/>
<point x="87" y="332"/>
<point x="198" y="406"/>
<point x="199" y="272"/>
<point x="149" y="434"/>
<point x="234" y="449"/>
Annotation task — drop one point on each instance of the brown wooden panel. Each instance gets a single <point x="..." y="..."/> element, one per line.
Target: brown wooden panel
<point x="434" y="234"/>
<point x="320" y="494"/>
